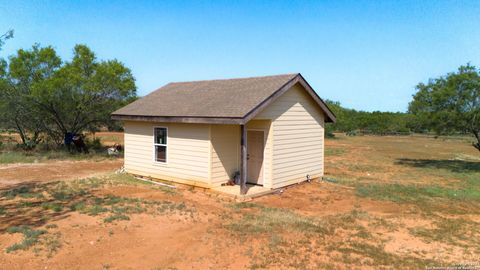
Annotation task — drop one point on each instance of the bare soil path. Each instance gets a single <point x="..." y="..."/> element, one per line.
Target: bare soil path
<point x="22" y="173"/>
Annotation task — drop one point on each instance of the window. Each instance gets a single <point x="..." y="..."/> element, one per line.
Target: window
<point x="160" y="144"/>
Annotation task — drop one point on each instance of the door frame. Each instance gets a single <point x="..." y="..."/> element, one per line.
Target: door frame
<point x="264" y="151"/>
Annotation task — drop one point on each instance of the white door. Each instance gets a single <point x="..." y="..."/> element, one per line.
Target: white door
<point x="255" y="157"/>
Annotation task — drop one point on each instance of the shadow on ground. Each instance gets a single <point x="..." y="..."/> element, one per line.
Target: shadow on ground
<point x="458" y="166"/>
<point x="30" y="210"/>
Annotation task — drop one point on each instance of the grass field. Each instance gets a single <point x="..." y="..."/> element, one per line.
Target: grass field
<point x="386" y="203"/>
<point x="10" y="152"/>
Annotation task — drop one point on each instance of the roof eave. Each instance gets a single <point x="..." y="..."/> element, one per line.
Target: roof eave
<point x="179" y="119"/>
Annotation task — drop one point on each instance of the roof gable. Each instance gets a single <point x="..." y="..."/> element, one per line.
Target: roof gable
<point x="330" y="117"/>
<point x="233" y="101"/>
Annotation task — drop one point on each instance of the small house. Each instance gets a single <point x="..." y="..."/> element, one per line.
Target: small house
<point x="268" y="130"/>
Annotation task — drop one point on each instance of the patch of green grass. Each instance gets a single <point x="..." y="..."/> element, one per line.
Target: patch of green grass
<point x="449" y="230"/>
<point x="30" y="237"/>
<point x="25" y="192"/>
<point x="111" y="200"/>
<point x="168" y="190"/>
<point x="277" y="219"/>
<point x="78" y="206"/>
<point x="51" y="226"/>
<point x="334" y="151"/>
<point x="62" y="191"/>
<point x="25" y="204"/>
<point x="115" y="217"/>
<point x="363" y="234"/>
<point x="110" y="204"/>
<point x="52" y="243"/>
<point x="16" y="157"/>
<point x="89" y="183"/>
<point x="2" y="211"/>
<point x="56" y="207"/>
<point x="128" y="209"/>
<point x="276" y="241"/>
<point x="165" y="207"/>
<point x="377" y="256"/>
<point x="379" y="222"/>
<point x="94" y="205"/>
<point x="180" y="206"/>
<point x="95" y="210"/>
<point x="125" y="179"/>
<point x="243" y="205"/>
<point x="38" y="155"/>
<point x="61" y="195"/>
<point x="414" y="194"/>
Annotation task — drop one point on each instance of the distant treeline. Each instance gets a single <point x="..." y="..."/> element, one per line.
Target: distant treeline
<point x="445" y="105"/>
<point x="379" y="123"/>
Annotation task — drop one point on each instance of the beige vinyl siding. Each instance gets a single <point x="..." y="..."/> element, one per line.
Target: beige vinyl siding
<point x="225" y="152"/>
<point x="188" y="152"/>
<point x="298" y="137"/>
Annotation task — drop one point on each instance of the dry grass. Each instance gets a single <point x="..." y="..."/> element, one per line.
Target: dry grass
<point x="10" y="152"/>
<point x="391" y="203"/>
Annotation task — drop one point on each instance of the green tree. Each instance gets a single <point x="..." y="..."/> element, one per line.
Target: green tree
<point x="450" y="103"/>
<point x="40" y="94"/>
<point x="4" y="37"/>
<point x="26" y="71"/>
<point x="83" y="92"/>
<point x="370" y="122"/>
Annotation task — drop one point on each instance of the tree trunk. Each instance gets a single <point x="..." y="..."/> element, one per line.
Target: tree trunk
<point x="36" y="137"/>
<point x="476" y="133"/>
<point x="21" y="132"/>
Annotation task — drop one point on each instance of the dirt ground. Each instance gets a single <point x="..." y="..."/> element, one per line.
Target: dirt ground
<point x="13" y="174"/>
<point x="112" y="221"/>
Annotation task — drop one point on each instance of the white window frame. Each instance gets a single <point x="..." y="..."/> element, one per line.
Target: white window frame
<point x="160" y="144"/>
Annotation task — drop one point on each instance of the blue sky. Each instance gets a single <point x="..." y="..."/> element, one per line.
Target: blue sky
<point x="368" y="55"/>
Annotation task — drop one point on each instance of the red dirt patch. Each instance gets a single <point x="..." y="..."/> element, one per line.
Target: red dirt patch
<point x="55" y="170"/>
<point x="145" y="242"/>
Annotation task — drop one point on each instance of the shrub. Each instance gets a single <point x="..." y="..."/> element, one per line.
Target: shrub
<point x="94" y="144"/>
<point x="329" y="134"/>
<point x="352" y="133"/>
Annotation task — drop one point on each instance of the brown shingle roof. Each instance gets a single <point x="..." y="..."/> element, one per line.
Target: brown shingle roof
<point x="208" y="101"/>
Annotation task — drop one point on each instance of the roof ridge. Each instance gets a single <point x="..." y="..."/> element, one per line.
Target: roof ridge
<point x="241" y="78"/>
